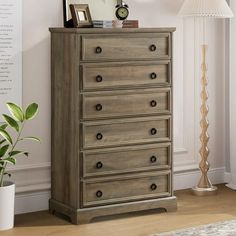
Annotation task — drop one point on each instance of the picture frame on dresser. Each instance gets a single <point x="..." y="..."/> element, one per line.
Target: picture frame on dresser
<point x="81" y="15"/>
<point x="67" y="19"/>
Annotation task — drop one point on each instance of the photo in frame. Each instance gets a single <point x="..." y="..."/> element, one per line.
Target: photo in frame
<point x="81" y="15"/>
<point x="107" y="11"/>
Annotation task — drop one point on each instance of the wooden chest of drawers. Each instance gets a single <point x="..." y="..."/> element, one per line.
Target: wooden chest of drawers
<point x="111" y="121"/>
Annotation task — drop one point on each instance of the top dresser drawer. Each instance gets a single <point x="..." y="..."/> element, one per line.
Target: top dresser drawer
<point x="125" y="46"/>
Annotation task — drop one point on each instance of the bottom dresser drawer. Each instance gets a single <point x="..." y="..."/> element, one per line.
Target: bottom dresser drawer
<point x="126" y="188"/>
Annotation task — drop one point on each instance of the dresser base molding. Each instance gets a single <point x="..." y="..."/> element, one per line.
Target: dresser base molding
<point x="85" y="215"/>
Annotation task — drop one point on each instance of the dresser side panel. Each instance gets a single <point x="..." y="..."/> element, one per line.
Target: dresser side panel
<point x="172" y="117"/>
<point x="65" y="118"/>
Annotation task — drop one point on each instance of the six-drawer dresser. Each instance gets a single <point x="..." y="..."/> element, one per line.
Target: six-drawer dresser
<point x="111" y="121"/>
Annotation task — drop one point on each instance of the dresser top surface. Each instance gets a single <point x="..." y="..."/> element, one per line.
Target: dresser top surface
<point x="111" y="30"/>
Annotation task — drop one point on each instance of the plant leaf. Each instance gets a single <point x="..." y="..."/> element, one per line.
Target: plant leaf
<point x="4" y="126"/>
<point x="10" y="160"/>
<point x="15" y="153"/>
<point x="2" y="141"/>
<point x="26" y="154"/>
<point x="11" y="122"/>
<point x="31" y="111"/>
<point x="3" y="150"/>
<point x="16" y="111"/>
<point x="5" y="135"/>
<point x="9" y="175"/>
<point x="31" y="138"/>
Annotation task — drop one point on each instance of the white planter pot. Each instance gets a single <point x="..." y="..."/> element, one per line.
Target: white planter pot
<point x="7" y="200"/>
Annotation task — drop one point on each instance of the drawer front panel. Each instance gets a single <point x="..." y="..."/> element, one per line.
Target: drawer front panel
<point x="113" y="161"/>
<point x="121" y="190"/>
<point x="120" y="75"/>
<point x="126" y="104"/>
<point x="126" y="131"/>
<point x="121" y="47"/>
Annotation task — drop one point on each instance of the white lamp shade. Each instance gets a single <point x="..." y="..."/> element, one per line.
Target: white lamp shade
<point x="206" y="8"/>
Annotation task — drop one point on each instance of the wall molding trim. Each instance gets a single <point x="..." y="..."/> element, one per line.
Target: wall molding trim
<point x="30" y="167"/>
<point x="191" y="166"/>
<point x="33" y="187"/>
<point x="31" y="178"/>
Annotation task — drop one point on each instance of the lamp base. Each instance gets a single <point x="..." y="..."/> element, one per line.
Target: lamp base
<point x="201" y="192"/>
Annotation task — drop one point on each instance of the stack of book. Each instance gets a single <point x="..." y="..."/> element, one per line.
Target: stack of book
<point x="130" y="24"/>
<point x="107" y="24"/>
<point x="115" y="24"/>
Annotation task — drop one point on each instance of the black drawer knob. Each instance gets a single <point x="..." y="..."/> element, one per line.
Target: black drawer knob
<point x="99" y="193"/>
<point x="99" y="78"/>
<point x="153" y="159"/>
<point x="98" y="107"/>
<point x="99" y="165"/>
<point x="99" y="136"/>
<point x="153" y="103"/>
<point x="153" y="187"/>
<point x="98" y="50"/>
<point x="153" y="131"/>
<point x="153" y="48"/>
<point x="153" y="75"/>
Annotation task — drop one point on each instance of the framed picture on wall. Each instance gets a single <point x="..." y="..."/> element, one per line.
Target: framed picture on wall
<point x="81" y="15"/>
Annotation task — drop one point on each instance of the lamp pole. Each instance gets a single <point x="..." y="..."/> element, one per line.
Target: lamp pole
<point x="205" y="9"/>
<point x="204" y="186"/>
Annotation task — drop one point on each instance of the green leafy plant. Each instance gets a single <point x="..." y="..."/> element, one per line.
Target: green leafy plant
<point x="10" y="139"/>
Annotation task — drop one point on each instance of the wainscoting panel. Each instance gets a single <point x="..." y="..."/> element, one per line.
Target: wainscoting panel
<point x="33" y="184"/>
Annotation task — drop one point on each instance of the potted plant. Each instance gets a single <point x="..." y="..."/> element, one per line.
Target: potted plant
<point x="10" y="136"/>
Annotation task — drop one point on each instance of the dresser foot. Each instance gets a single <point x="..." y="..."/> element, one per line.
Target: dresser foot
<point x="172" y="207"/>
<point x="61" y="210"/>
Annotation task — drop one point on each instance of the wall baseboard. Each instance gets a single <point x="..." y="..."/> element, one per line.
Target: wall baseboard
<point x="31" y="202"/>
<point x="38" y="200"/>
<point x="227" y="177"/>
<point x="185" y="180"/>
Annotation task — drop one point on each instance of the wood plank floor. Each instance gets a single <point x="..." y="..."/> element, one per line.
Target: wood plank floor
<point x="192" y="211"/>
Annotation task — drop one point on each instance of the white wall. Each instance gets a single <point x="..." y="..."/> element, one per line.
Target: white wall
<point x="231" y="96"/>
<point x="33" y="175"/>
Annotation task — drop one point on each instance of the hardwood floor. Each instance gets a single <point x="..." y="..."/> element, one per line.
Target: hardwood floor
<point x="192" y="211"/>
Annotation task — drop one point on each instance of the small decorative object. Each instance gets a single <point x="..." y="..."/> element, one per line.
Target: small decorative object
<point x="130" y="24"/>
<point x="204" y="9"/>
<point x="81" y="15"/>
<point x="107" y="24"/>
<point x="122" y="11"/>
<point x="9" y="154"/>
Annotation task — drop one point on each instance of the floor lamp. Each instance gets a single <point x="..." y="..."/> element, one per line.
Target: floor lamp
<point x="205" y="9"/>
